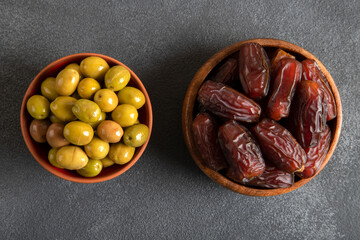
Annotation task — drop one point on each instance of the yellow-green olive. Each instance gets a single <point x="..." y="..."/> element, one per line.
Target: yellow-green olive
<point x="48" y="88"/>
<point x="106" y="99"/>
<point x="117" y="78"/>
<point x="131" y="95"/>
<point x="54" y="119"/>
<point x="38" y="129"/>
<point x="100" y="120"/>
<point x="110" y="131"/>
<point x="71" y="157"/>
<point x="121" y="153"/>
<point x="61" y="107"/>
<point x="125" y="115"/>
<point x="38" y="107"/>
<point x="136" y="135"/>
<point x="97" y="148"/>
<point x="94" y="67"/>
<point x="107" y="162"/>
<point x="92" y="168"/>
<point x="86" y="110"/>
<point x="76" y="67"/>
<point x="52" y="157"/>
<point x="67" y="81"/>
<point x="55" y="136"/>
<point x="88" y="87"/>
<point x="78" y="133"/>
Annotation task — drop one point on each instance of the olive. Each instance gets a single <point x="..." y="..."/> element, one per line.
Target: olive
<point x="48" y="88"/>
<point x="54" y="119"/>
<point x="100" y="120"/>
<point x="117" y="78"/>
<point x="75" y="67"/>
<point x="97" y="148"/>
<point x="110" y="131"/>
<point x="78" y="133"/>
<point x="38" y="107"/>
<point x="61" y="107"/>
<point x="131" y="95"/>
<point x="52" y="157"/>
<point x="71" y="157"/>
<point x="92" y="168"/>
<point x="94" y="67"/>
<point x="121" y="153"/>
<point x="88" y="87"/>
<point x="76" y="95"/>
<point x="38" y="129"/>
<point x="106" y="99"/>
<point x="86" y="110"/>
<point x="55" y="136"/>
<point x="136" y="135"/>
<point x="125" y="115"/>
<point x="67" y="81"/>
<point x="107" y="162"/>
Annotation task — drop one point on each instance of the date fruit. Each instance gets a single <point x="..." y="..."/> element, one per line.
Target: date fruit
<point x="279" y="54"/>
<point x="227" y="73"/>
<point x="227" y="102"/>
<point x="205" y="131"/>
<point x="279" y="146"/>
<point x="241" y="151"/>
<point x="254" y="70"/>
<point x="287" y="77"/>
<point x="311" y="71"/>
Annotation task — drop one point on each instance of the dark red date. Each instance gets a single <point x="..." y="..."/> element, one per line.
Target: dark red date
<point x="241" y="151"/>
<point x="279" y="54"/>
<point x="227" y="73"/>
<point x="227" y="102"/>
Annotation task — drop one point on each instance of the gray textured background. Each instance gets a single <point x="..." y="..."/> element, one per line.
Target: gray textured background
<point x="165" y="195"/>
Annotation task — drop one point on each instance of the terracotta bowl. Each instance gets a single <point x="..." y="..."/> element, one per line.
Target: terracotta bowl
<point x="40" y="150"/>
<point x="189" y="112"/>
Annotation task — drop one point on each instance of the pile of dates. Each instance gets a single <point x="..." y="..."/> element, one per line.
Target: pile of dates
<point x="261" y="121"/>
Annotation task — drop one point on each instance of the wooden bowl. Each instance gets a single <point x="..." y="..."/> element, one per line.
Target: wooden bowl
<point x="40" y="150"/>
<point x="189" y="113"/>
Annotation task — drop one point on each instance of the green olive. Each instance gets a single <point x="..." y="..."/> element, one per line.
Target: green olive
<point x="106" y="99"/>
<point x="61" y="107"/>
<point x="67" y="81"/>
<point x="121" y="153"/>
<point x="38" y="129"/>
<point x="100" y="120"/>
<point x="88" y="87"/>
<point x="110" y="131"/>
<point x="78" y="133"/>
<point x="86" y="110"/>
<point x="52" y="157"/>
<point x="71" y="157"/>
<point x="55" y="136"/>
<point x="107" y="162"/>
<point x="125" y="115"/>
<point x="131" y="95"/>
<point x="92" y="168"/>
<point x="38" y="107"/>
<point x="97" y="148"/>
<point x="76" y="67"/>
<point x="117" y="78"/>
<point x="54" y="119"/>
<point x="94" y="67"/>
<point x="48" y="88"/>
<point x="136" y="135"/>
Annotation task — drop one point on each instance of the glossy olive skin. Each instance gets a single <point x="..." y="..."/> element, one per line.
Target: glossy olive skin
<point x="67" y="81"/>
<point x="107" y="162"/>
<point x="100" y="120"/>
<point x="125" y="115"/>
<point x="136" y="135"/>
<point x="106" y="99"/>
<point x="38" y="129"/>
<point x="54" y="119"/>
<point x="86" y="110"/>
<point x="61" y="107"/>
<point x="38" y="107"/>
<point x="75" y="67"/>
<point x="71" y="157"/>
<point x="88" y="87"/>
<point x="78" y="133"/>
<point x="94" y="67"/>
<point x="117" y="78"/>
<point x="97" y="148"/>
<point x="110" y="131"/>
<point x="52" y="157"/>
<point x="92" y="168"/>
<point x="55" y="137"/>
<point x="121" y="153"/>
<point x="131" y="95"/>
<point x="48" y="88"/>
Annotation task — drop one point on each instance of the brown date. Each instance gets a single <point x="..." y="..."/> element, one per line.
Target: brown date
<point x="287" y="77"/>
<point x="241" y="151"/>
<point x="308" y="113"/>
<point x="279" y="54"/>
<point x="279" y="146"/>
<point x="316" y="155"/>
<point x="311" y="71"/>
<point x="227" y="73"/>
<point x="254" y="70"/>
<point x="205" y="131"/>
<point x="227" y="102"/>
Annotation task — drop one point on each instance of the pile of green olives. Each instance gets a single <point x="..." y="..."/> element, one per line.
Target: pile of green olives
<point x="89" y="117"/>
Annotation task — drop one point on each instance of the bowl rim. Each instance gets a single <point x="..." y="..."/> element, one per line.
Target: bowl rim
<point x="190" y="99"/>
<point x="27" y="138"/>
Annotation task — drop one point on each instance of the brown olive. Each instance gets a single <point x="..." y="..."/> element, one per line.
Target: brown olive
<point x="110" y="131"/>
<point x="55" y="137"/>
<point x="38" y="129"/>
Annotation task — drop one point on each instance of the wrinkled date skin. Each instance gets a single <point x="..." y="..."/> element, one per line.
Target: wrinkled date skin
<point x="279" y="146"/>
<point x="316" y="155"/>
<point x="254" y="70"/>
<point x="241" y="151"/>
<point x="279" y="54"/>
<point x="287" y="77"/>
<point x="227" y="102"/>
<point x="205" y="131"/>
<point x="308" y="113"/>
<point x="227" y="73"/>
<point x="311" y="71"/>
